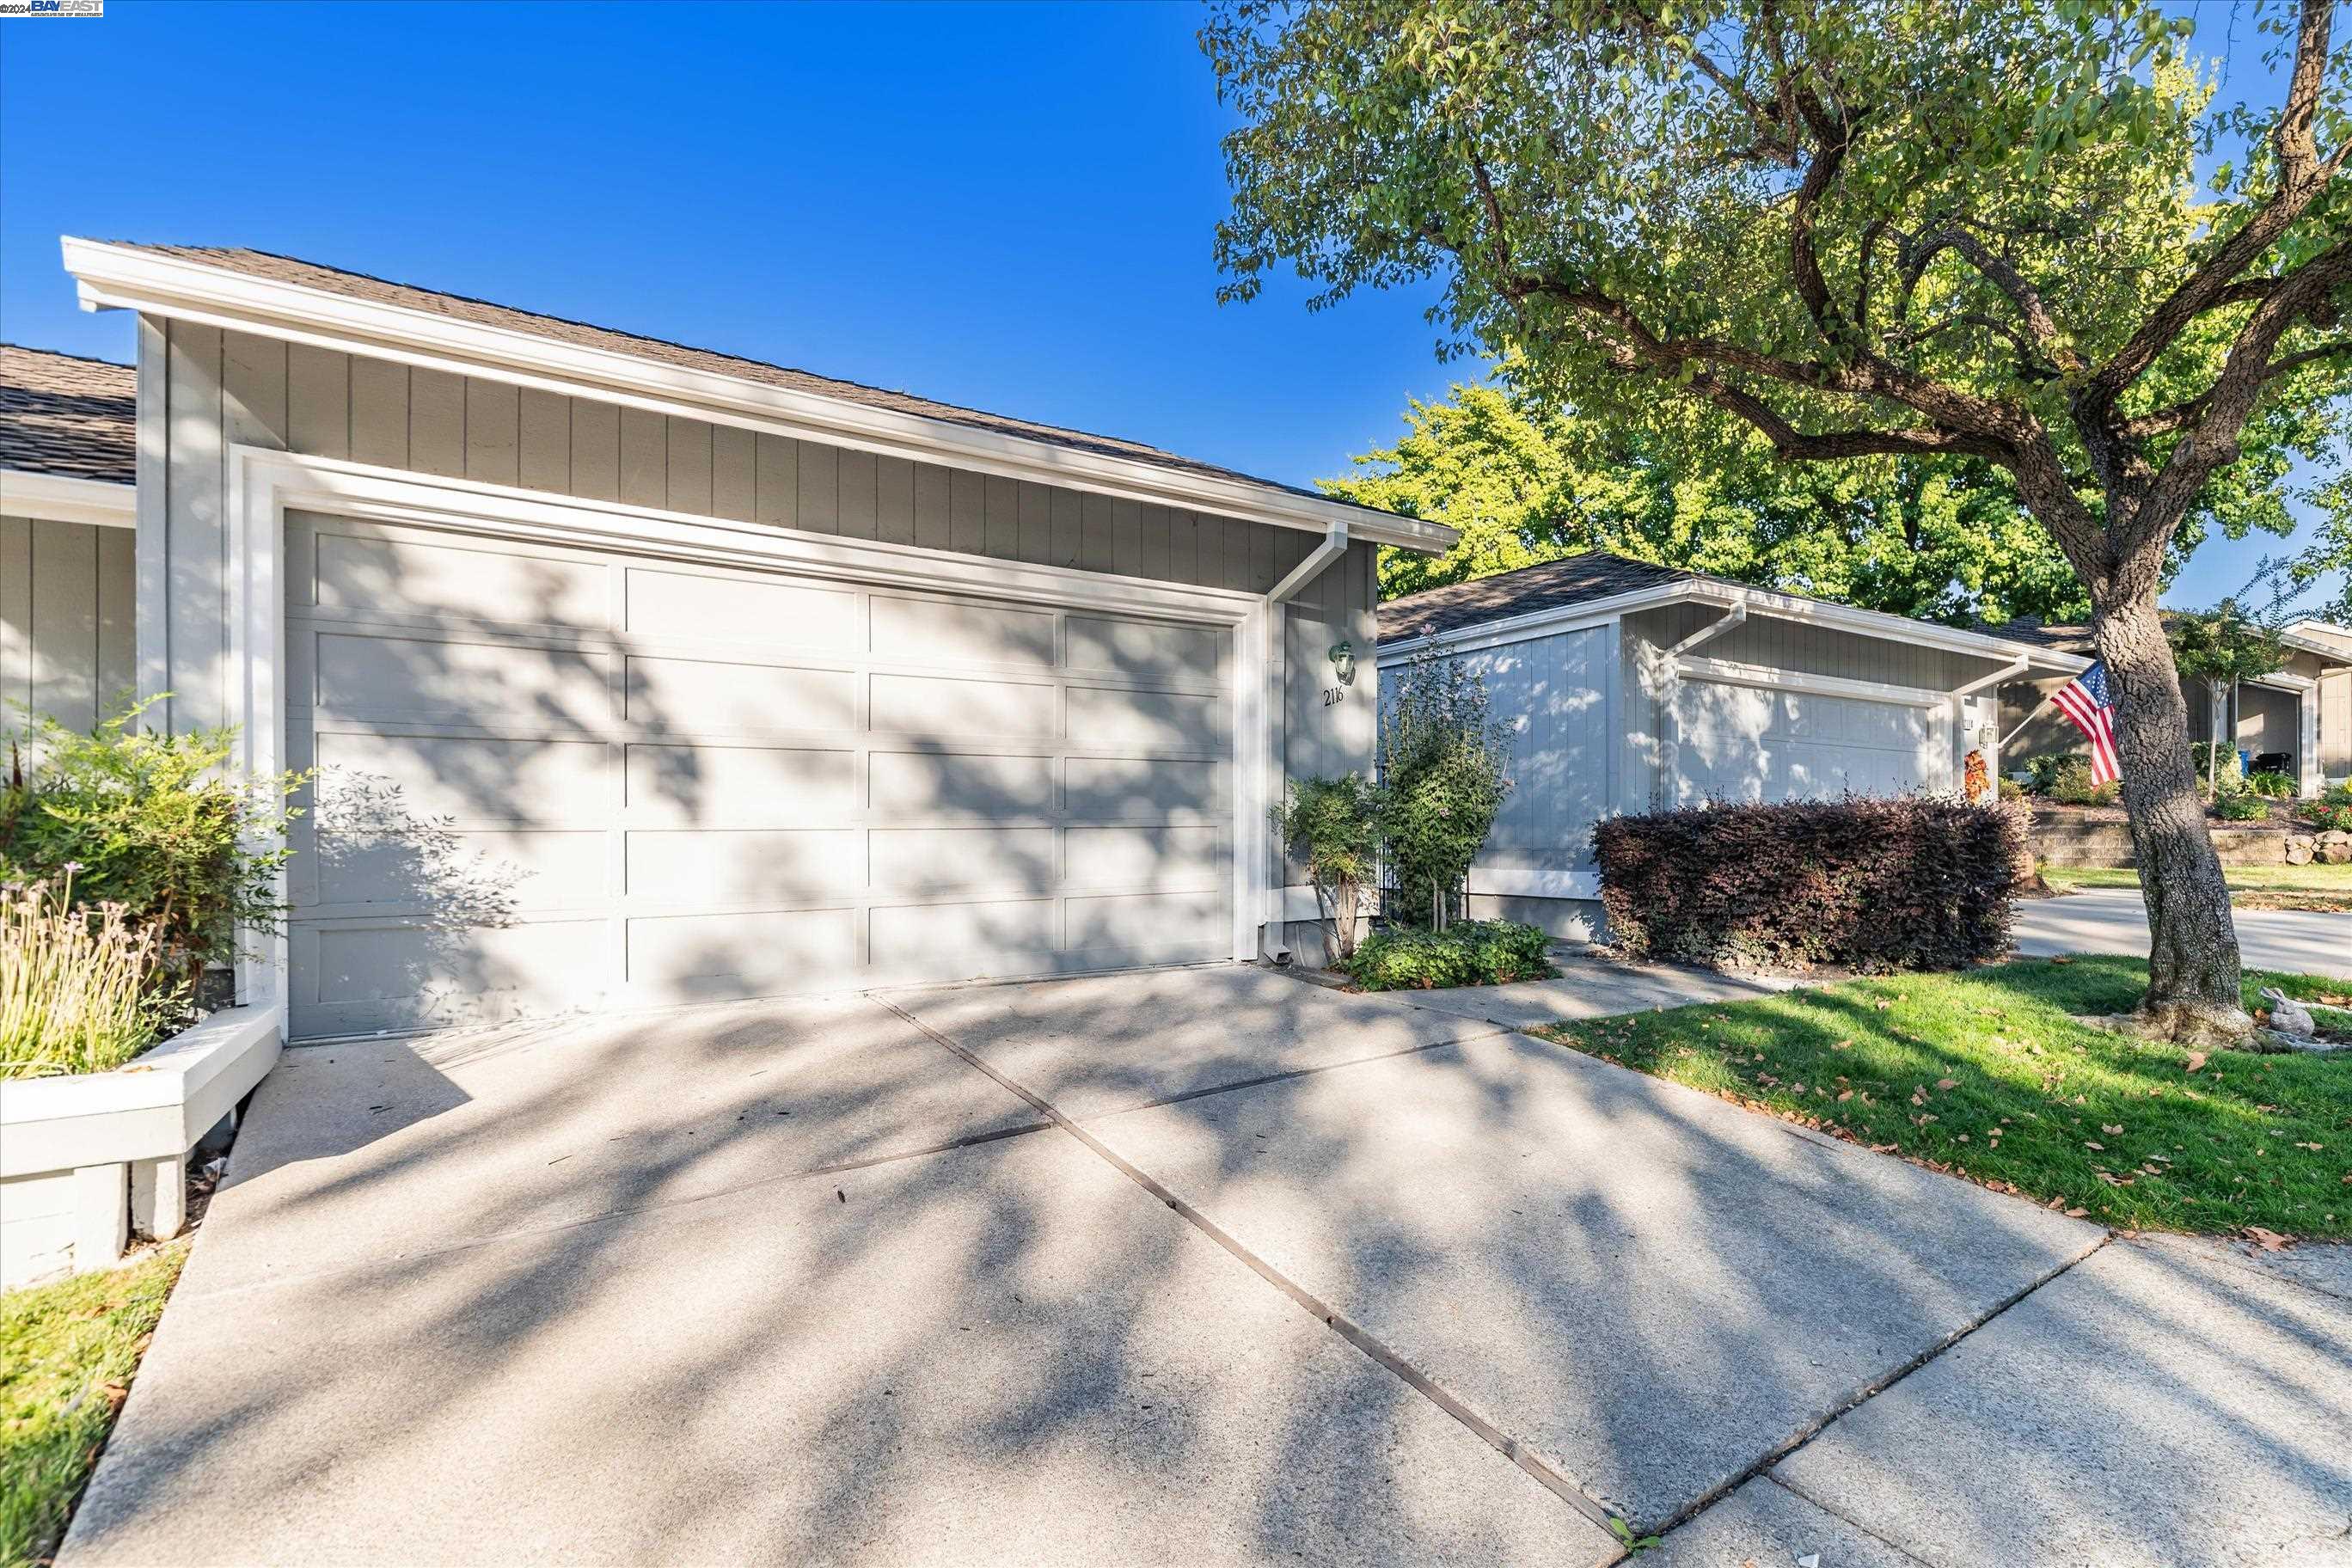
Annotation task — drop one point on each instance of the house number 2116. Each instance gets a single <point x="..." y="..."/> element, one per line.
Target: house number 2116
<point x="1334" y="695"/>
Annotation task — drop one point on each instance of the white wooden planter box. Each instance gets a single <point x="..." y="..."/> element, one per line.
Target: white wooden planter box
<point x="86" y="1160"/>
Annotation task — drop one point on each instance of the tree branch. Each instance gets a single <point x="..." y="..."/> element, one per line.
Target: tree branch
<point x="2003" y="274"/>
<point x="2164" y="421"/>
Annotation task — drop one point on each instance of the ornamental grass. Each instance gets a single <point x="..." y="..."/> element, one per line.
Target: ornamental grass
<point x="77" y="988"/>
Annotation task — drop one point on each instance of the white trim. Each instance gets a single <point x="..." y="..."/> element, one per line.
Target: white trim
<point x="110" y="277"/>
<point x="1760" y="601"/>
<point x="154" y="1106"/>
<point x="2014" y="667"/>
<point x="62" y="497"/>
<point x="1699" y="668"/>
<point x="265" y="484"/>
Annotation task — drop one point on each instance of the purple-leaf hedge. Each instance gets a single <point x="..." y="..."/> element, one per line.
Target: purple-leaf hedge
<point x="1865" y="883"/>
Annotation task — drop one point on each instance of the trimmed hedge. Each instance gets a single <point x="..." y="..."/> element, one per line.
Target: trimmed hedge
<point x="1467" y="952"/>
<point x="1864" y="883"/>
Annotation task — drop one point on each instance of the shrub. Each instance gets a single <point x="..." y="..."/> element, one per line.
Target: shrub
<point x="2272" y="785"/>
<point x="2070" y="784"/>
<point x="2011" y="790"/>
<point x="160" y="824"/>
<point x="1444" y="774"/>
<point x="76" y="985"/>
<point x="1467" y="952"/>
<point x="2227" y="768"/>
<point x="1332" y="826"/>
<point x="1906" y="882"/>
<point x="2332" y="812"/>
<point x="2244" y="807"/>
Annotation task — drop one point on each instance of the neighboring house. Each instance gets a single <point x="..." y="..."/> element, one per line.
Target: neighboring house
<point x="1629" y="687"/>
<point x="68" y="450"/>
<point x="2299" y="719"/>
<point x="639" y="674"/>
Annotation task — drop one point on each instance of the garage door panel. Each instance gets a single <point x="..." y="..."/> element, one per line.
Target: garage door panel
<point x="425" y="874"/>
<point x="358" y="975"/>
<point x="1740" y="742"/>
<point x="1147" y="649"/>
<point x="688" y="785"/>
<point x="358" y="576"/>
<point x="996" y="935"/>
<point x="743" y="865"/>
<point x="1146" y="928"/>
<point x="949" y="632"/>
<point x="708" y="694"/>
<point x="1160" y="721"/>
<point x="946" y="859"/>
<point x="1109" y="788"/>
<point x="944" y="784"/>
<point x="389" y="778"/>
<point x="362" y="675"/>
<point x="664" y="604"/>
<point x="1146" y="856"/>
<point x="942" y="705"/>
<point x="755" y="783"/>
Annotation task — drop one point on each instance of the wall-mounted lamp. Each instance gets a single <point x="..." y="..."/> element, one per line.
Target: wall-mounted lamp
<point x="1343" y="660"/>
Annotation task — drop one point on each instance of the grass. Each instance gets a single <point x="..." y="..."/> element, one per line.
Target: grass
<point x="68" y="1353"/>
<point x="2313" y="886"/>
<point x="1984" y="1074"/>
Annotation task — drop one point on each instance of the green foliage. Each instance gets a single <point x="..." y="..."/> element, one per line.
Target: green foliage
<point x="161" y="825"/>
<point x="1944" y="542"/>
<point x="1866" y="883"/>
<point x="2223" y="645"/>
<point x="2244" y="807"/>
<point x="2331" y="812"/>
<point x="2220" y="763"/>
<point x="2011" y="790"/>
<point x="77" y="985"/>
<point x="68" y="1351"/>
<point x="1332" y="826"/>
<point x="1467" y="952"/>
<point x="2272" y="785"/>
<point x="2070" y="784"/>
<point x="1444" y="774"/>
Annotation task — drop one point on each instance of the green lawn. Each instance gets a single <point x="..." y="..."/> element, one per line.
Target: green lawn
<point x="2252" y="887"/>
<point x="68" y="1353"/>
<point x="1984" y="1074"/>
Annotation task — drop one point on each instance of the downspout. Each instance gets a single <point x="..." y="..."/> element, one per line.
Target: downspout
<point x="1334" y="545"/>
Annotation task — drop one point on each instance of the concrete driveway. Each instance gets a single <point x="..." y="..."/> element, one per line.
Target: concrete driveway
<point x="1210" y="1263"/>
<point x="2115" y="920"/>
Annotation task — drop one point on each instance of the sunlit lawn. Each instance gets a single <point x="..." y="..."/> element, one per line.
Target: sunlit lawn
<point x="1986" y="1074"/>
<point x="68" y="1353"/>
<point x="2313" y="886"/>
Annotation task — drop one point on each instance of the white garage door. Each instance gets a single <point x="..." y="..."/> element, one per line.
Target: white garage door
<point x="1750" y="744"/>
<point x="553" y="779"/>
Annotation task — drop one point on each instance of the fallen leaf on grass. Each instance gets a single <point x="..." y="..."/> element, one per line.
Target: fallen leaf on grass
<point x="2268" y="1240"/>
<point x="2196" y="1060"/>
<point x="2111" y="1130"/>
<point x="2062" y="961"/>
<point x="2076" y="1213"/>
<point x="1947" y="1083"/>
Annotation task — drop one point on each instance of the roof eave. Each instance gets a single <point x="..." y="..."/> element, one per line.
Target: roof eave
<point x="67" y="497"/>
<point x="1762" y="601"/>
<point x="116" y="277"/>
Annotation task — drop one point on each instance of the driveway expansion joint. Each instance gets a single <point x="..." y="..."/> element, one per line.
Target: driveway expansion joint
<point x="1567" y="1487"/>
<point x="1841" y="1515"/>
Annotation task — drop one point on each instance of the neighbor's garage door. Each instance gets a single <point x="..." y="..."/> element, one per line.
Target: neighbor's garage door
<point x="553" y="779"/>
<point x="1749" y="742"/>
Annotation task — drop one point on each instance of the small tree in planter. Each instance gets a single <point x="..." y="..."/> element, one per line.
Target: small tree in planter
<point x="1444" y="774"/>
<point x="1332" y="826"/>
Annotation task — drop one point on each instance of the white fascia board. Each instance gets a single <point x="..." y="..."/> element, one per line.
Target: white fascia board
<point x="62" y="497"/>
<point x="110" y="277"/>
<point x="2283" y="681"/>
<point x="1698" y="666"/>
<point x="1760" y="602"/>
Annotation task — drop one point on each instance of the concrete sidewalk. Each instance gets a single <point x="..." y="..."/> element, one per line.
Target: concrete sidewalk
<point x="2115" y="920"/>
<point x="1211" y="1263"/>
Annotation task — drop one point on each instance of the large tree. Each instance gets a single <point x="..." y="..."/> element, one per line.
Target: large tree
<point x="1877" y="229"/>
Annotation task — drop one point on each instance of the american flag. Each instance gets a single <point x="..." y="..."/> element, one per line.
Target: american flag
<point x="2084" y="702"/>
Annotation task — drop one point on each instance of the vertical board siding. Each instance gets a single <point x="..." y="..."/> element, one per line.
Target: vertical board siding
<point x="437" y="423"/>
<point x="67" y="625"/>
<point x="686" y="484"/>
<point x="543" y="440"/>
<point x="195" y="603"/>
<point x="317" y="401"/>
<point x="493" y="432"/>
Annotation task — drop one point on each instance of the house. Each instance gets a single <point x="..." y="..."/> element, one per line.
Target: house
<point x="1629" y="687"/>
<point x="2298" y="719"/>
<point x="636" y="673"/>
<point x="67" y="447"/>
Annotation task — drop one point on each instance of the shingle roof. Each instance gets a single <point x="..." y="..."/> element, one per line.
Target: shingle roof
<point x="2026" y="629"/>
<point x="61" y="415"/>
<point x="1547" y="586"/>
<point x="482" y="312"/>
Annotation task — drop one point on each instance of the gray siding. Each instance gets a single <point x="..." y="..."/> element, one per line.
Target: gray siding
<point x="1553" y="692"/>
<point x="1812" y="649"/>
<point x="66" y="640"/>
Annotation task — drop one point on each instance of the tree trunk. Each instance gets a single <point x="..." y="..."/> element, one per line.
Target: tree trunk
<point x="2193" y="991"/>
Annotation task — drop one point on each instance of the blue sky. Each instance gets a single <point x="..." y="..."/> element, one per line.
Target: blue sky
<point x="1009" y="207"/>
